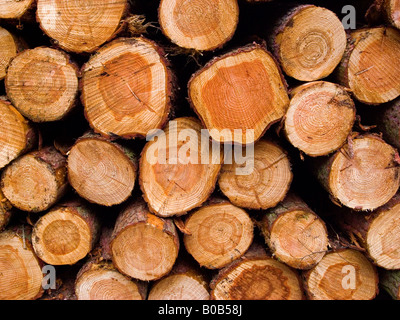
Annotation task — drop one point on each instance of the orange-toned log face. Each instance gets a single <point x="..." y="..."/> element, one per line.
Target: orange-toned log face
<point x="237" y="96"/>
<point x="374" y="65"/>
<point x="126" y="84"/>
<point x="127" y="88"/>
<point x="61" y="237"/>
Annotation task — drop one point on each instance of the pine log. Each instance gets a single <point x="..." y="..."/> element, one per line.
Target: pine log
<point x="377" y="232"/>
<point x="20" y="270"/>
<point x="199" y="24"/>
<point x="16" y="9"/>
<point x="66" y="234"/>
<point x="309" y="42"/>
<point x="344" y="274"/>
<point x="266" y="185"/>
<point x="17" y="136"/>
<point x="127" y="88"/>
<point x="42" y="83"/>
<point x="320" y="118"/>
<point x="239" y="95"/>
<point x="100" y="280"/>
<point x="217" y="234"/>
<point x="35" y="181"/>
<point x="179" y="169"/>
<point x="371" y="64"/>
<point x="294" y="233"/>
<point x="186" y="281"/>
<point x="11" y="45"/>
<point x="101" y="171"/>
<point x="362" y="175"/>
<point x="143" y="246"/>
<point x="81" y="26"/>
<point x="5" y="211"/>
<point x="256" y="276"/>
<point x="389" y="280"/>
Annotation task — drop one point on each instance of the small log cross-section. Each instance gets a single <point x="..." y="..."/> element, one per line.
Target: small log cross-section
<point x="294" y="233"/>
<point x="371" y="65"/>
<point x="256" y="276"/>
<point x="320" y="117"/>
<point x="363" y="174"/>
<point x="175" y="172"/>
<point x="101" y="171"/>
<point x="15" y="9"/>
<point x="100" y="280"/>
<point x="42" y="84"/>
<point x="266" y="185"/>
<point x="185" y="282"/>
<point x="143" y="246"/>
<point x="344" y="274"/>
<point x="20" y="270"/>
<point x="199" y="24"/>
<point x="127" y="87"/>
<point x="217" y="234"/>
<point x="309" y="42"/>
<point x="81" y="26"/>
<point x="378" y="232"/>
<point x="392" y="10"/>
<point x="35" y="181"/>
<point x="239" y="95"/>
<point x="16" y="134"/>
<point x="66" y="234"/>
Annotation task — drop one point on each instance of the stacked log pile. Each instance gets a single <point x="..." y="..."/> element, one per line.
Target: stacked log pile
<point x="199" y="150"/>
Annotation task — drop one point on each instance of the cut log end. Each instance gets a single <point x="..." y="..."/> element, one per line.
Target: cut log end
<point x="364" y="174"/>
<point x="20" y="271"/>
<point x="342" y="275"/>
<point x="266" y="185"/>
<point x="144" y="246"/>
<point x="179" y="287"/>
<point x="100" y="171"/>
<point x="371" y="69"/>
<point x="8" y="49"/>
<point x="218" y="234"/>
<point x="174" y="176"/>
<point x="392" y="8"/>
<point x="5" y="211"/>
<point x="127" y="88"/>
<point x="310" y="43"/>
<point x="35" y="181"/>
<point x="320" y="118"/>
<point x="294" y="233"/>
<point x="257" y="279"/>
<point x="103" y="282"/>
<point x="14" y="9"/>
<point x="239" y="95"/>
<point x="42" y="84"/>
<point x="80" y="26"/>
<point x="199" y="25"/>
<point x="65" y="235"/>
<point x="384" y="250"/>
<point x="16" y="134"/>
